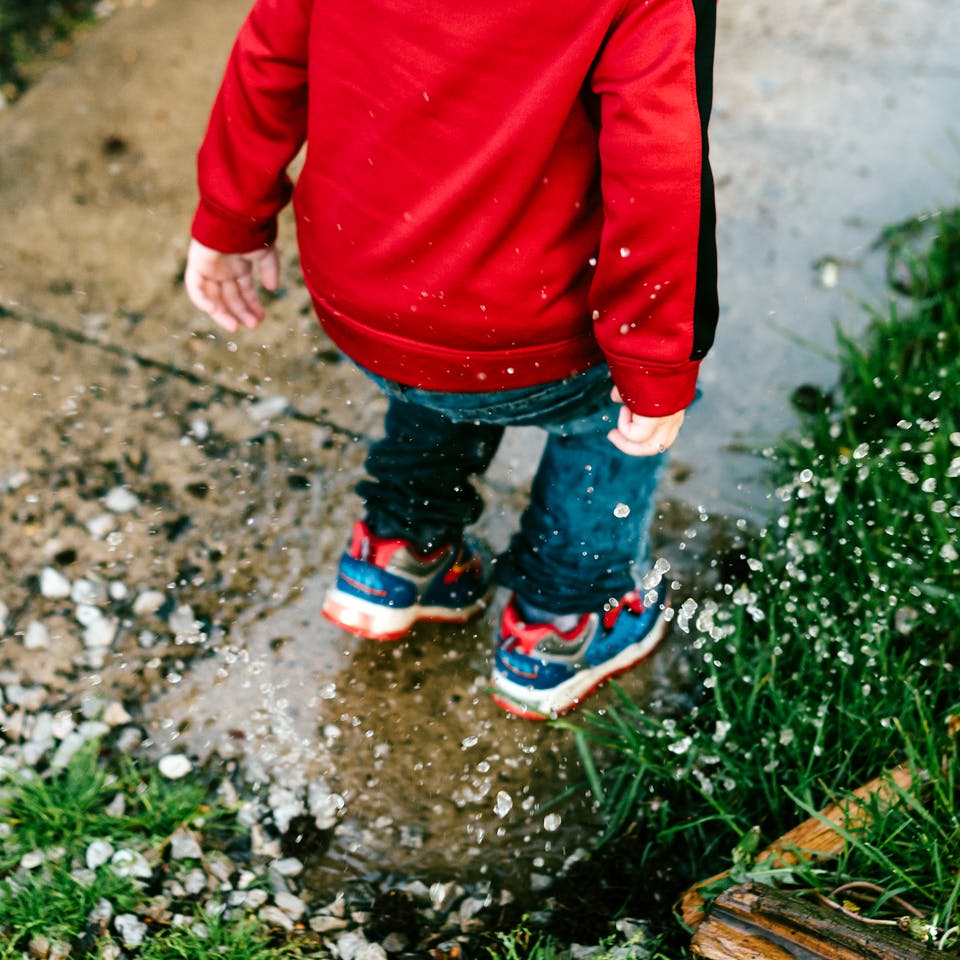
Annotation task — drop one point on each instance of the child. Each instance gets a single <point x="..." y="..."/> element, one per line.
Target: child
<point x="505" y="216"/>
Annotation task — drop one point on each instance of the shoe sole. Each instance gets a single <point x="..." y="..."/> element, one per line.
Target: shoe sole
<point x="533" y="704"/>
<point x="374" y="622"/>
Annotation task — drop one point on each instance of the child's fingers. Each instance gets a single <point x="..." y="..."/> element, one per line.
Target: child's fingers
<point x="269" y="264"/>
<point x="236" y="301"/>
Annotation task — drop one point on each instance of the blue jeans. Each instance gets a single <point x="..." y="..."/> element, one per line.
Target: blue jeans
<point x="583" y="538"/>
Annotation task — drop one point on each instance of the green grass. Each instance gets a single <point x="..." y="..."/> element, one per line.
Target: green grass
<point x="69" y="808"/>
<point x="217" y="939"/>
<point x="53" y="817"/>
<point x="833" y="656"/>
<point x="28" y="27"/>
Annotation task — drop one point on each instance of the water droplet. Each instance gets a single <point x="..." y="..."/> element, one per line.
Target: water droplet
<point x="503" y="804"/>
<point x="624" y="252"/>
<point x="551" y="822"/>
<point x="621" y="510"/>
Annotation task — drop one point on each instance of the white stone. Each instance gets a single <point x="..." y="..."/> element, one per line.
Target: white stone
<point x="88" y="591"/>
<point x="131" y="863"/>
<point x="174" y="766"/>
<point x="53" y="584"/>
<point x="115" y="715"/>
<point x="254" y="899"/>
<point x="184" y="846"/>
<point x="98" y="853"/>
<point x="290" y="904"/>
<point x="275" y="917"/>
<point x="32" y="859"/>
<point x="148" y="602"/>
<point x="100" y="634"/>
<point x="102" y="524"/>
<point x="353" y="945"/>
<point x="269" y="408"/>
<point x="132" y="931"/>
<point x="87" y="614"/>
<point x="195" y="882"/>
<point x="121" y="500"/>
<point x="36" y="636"/>
<point x="325" y="924"/>
<point x="287" y="867"/>
<point x="59" y="950"/>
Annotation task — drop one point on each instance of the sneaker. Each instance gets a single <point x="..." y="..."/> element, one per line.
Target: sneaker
<point x="385" y="586"/>
<point x="541" y="672"/>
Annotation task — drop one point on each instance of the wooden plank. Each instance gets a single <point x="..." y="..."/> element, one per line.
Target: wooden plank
<point x="756" y="922"/>
<point x="813" y="839"/>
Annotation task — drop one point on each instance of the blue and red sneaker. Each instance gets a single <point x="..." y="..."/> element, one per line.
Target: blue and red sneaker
<point x="541" y="671"/>
<point x="385" y="586"/>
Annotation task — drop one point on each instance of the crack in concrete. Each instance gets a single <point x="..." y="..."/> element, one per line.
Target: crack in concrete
<point x="171" y="369"/>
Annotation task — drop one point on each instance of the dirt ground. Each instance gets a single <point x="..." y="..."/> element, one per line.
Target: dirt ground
<point x="832" y="120"/>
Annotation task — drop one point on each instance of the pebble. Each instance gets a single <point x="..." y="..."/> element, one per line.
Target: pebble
<point x="254" y="899"/>
<point x="290" y="904"/>
<point x="32" y="859"/>
<point x="132" y="931"/>
<point x="275" y="917"/>
<point x="195" y="882"/>
<point x="287" y="867"/>
<point x="174" y="766"/>
<point x="39" y="947"/>
<point x="269" y="408"/>
<point x="130" y="738"/>
<point x="30" y="699"/>
<point x="100" y="633"/>
<point x="353" y="945"/>
<point x="36" y="636"/>
<point x="101" y="525"/>
<point x="325" y="806"/>
<point x="148" y="602"/>
<point x="184" y="846"/>
<point x="115" y="715"/>
<point x="285" y="805"/>
<point x="327" y="924"/>
<point x="131" y="863"/>
<point x="183" y="622"/>
<point x="53" y="584"/>
<point x="98" y="853"/>
<point x="76" y="740"/>
<point x="121" y="500"/>
<point x="90" y="592"/>
<point x="59" y="950"/>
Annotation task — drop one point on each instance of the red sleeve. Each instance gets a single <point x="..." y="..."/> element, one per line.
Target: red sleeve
<point x="654" y="291"/>
<point x="257" y="125"/>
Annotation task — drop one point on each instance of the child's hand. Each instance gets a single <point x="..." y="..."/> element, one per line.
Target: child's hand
<point x="643" y="436"/>
<point x="223" y="285"/>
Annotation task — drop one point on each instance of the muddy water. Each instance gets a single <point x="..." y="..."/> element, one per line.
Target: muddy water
<point x="420" y="773"/>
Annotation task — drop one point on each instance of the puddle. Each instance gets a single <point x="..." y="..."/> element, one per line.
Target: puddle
<point x="397" y="746"/>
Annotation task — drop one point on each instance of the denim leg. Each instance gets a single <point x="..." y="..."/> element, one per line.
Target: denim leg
<point x="419" y="488"/>
<point x="584" y="537"/>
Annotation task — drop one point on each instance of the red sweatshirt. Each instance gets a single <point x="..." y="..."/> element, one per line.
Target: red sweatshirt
<point x="493" y="196"/>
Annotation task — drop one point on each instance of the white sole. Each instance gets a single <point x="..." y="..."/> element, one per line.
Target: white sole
<point x="529" y="702"/>
<point x="376" y="622"/>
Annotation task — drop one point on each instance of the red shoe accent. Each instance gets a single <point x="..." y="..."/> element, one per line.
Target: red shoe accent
<point x="629" y="601"/>
<point x="528" y="635"/>
<point x="367" y="546"/>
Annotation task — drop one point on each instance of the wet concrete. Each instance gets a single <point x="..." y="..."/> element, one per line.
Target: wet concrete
<point x="832" y="121"/>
